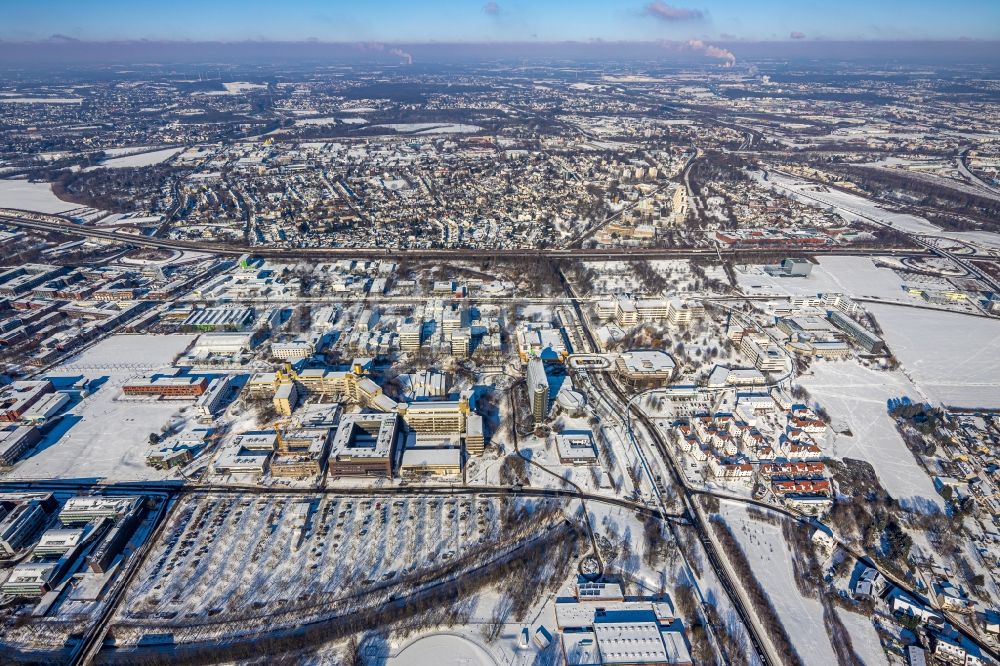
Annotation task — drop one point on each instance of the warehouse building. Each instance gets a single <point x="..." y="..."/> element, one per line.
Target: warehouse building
<point x="18" y="397"/>
<point x="166" y="386"/>
<point x="15" y="441"/>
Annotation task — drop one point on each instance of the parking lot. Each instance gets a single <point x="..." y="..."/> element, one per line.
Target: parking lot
<point x="224" y="557"/>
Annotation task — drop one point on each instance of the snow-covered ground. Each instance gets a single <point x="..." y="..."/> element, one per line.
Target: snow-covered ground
<point x="953" y="358"/>
<point x="104" y="436"/>
<point x="431" y="128"/>
<point x="142" y="159"/>
<point x="856" y="397"/>
<point x="38" y="197"/>
<point x="234" y="88"/>
<point x="770" y="558"/>
<point x="864" y="638"/>
<point x="40" y="100"/>
<point x="854" y="207"/>
<point x="854" y="276"/>
<point x="442" y="649"/>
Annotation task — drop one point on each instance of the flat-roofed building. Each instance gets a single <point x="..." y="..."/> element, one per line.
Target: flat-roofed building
<point x="222" y="343"/>
<point x="627" y="314"/>
<point x="285" y="398"/>
<point x="645" y="366"/>
<point x="431" y="462"/>
<point x="652" y="309"/>
<point x="475" y="436"/>
<point x="723" y="376"/>
<point x="30" y="579"/>
<point x="764" y="354"/>
<point x="411" y="336"/>
<point x="20" y="524"/>
<point x="634" y="633"/>
<point x="166" y="386"/>
<point x="682" y="313"/>
<point x="45" y="409"/>
<point x="541" y="341"/>
<point x="18" y="397"/>
<point x="59" y="541"/>
<point x="300" y="452"/>
<point x="85" y="509"/>
<point x="224" y="317"/>
<point x="576" y="447"/>
<point x="292" y="351"/>
<point x="234" y="459"/>
<point x="864" y="338"/>
<point x="15" y="440"/>
<point x="364" y="445"/>
<point x="440" y="416"/>
<point x="214" y="396"/>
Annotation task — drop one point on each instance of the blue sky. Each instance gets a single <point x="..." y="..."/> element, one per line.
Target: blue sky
<point x="502" y="20"/>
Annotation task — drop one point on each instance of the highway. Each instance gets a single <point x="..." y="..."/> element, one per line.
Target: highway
<point x="17" y="218"/>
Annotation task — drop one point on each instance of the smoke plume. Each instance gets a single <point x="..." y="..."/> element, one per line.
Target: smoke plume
<point x="712" y="51"/>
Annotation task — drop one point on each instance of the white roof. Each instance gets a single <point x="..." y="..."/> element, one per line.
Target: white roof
<point x="630" y="641"/>
<point x="647" y="362"/>
<point x="474" y="425"/>
<point x="377" y="430"/>
<point x="576" y="445"/>
<point x="435" y="457"/>
<point x="580" y="648"/>
<point x="676" y="648"/>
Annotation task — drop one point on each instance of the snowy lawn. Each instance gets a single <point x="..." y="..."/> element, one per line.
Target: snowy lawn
<point x="38" y="197"/>
<point x="953" y="358"/>
<point x="771" y="560"/>
<point x="854" y="276"/>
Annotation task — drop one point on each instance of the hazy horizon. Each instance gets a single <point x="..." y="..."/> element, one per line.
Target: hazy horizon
<point x="61" y="50"/>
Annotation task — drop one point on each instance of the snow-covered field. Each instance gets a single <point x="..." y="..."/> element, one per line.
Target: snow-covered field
<point x="856" y="397"/>
<point x="864" y="638"/>
<point x="234" y="88"/>
<point x="444" y="650"/>
<point x="32" y="196"/>
<point x="854" y="207"/>
<point x="770" y="558"/>
<point x="854" y="276"/>
<point x="142" y="159"/>
<point x="40" y="100"/>
<point x="104" y="436"/>
<point x="431" y="128"/>
<point x="953" y="358"/>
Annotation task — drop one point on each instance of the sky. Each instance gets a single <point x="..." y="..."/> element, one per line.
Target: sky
<point x="418" y="21"/>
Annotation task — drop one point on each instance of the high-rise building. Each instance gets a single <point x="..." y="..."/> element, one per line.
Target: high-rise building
<point x="538" y="390"/>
